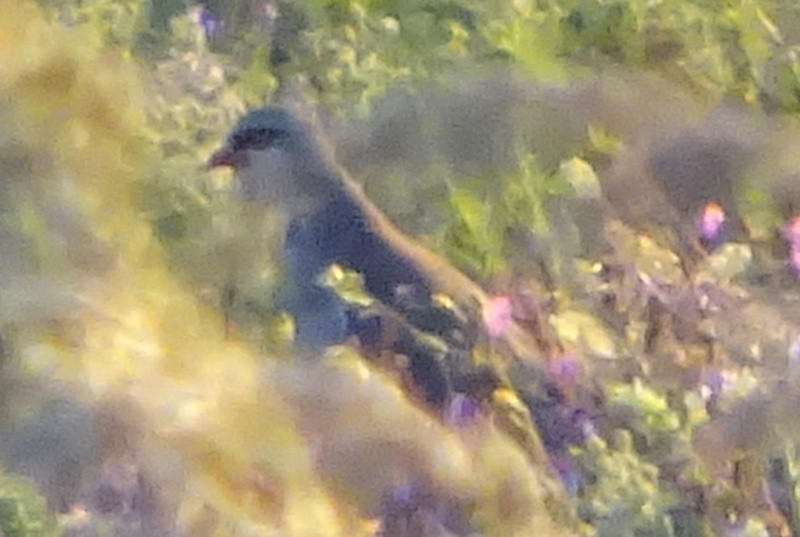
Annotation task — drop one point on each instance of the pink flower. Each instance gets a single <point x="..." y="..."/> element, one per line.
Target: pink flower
<point x="794" y="354"/>
<point x="791" y="232"/>
<point x="711" y="225"/>
<point x="794" y="258"/>
<point x="498" y="315"/>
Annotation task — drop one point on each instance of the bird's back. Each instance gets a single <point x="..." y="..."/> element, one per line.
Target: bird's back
<point x="339" y="231"/>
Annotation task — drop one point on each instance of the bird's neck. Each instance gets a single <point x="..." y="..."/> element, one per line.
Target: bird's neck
<point x="325" y="188"/>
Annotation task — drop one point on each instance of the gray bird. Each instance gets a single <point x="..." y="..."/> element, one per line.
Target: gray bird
<point x="279" y="161"/>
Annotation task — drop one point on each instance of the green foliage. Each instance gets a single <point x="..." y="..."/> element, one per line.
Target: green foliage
<point x="344" y="56"/>
<point x="720" y="46"/>
<point x="787" y="80"/>
<point x="23" y="512"/>
<point x="484" y="220"/>
<point x="474" y="239"/>
<point x="604" y="28"/>
<point x="119" y="22"/>
<point x="354" y="53"/>
<point x="657" y="418"/>
<point x="527" y="34"/>
<point x="623" y="497"/>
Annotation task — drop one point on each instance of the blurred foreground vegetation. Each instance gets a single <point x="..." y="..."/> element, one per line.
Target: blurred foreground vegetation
<point x="146" y="380"/>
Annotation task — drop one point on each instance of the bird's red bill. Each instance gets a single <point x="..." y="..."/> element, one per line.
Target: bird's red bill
<point x="226" y="157"/>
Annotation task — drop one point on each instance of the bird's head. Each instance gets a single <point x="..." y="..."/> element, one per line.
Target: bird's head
<point x="275" y="157"/>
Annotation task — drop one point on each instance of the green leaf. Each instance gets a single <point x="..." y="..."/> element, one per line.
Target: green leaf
<point x="583" y="330"/>
<point x="580" y="174"/>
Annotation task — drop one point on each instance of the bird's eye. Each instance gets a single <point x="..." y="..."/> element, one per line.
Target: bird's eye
<point x="255" y="138"/>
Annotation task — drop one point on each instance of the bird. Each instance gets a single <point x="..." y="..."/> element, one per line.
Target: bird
<point x="280" y="160"/>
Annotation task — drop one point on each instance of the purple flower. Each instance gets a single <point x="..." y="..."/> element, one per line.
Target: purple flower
<point x="568" y="471"/>
<point x="712" y="383"/>
<point x="566" y="370"/>
<point x="462" y="410"/>
<point x="711" y="226"/>
<point x="209" y="22"/>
